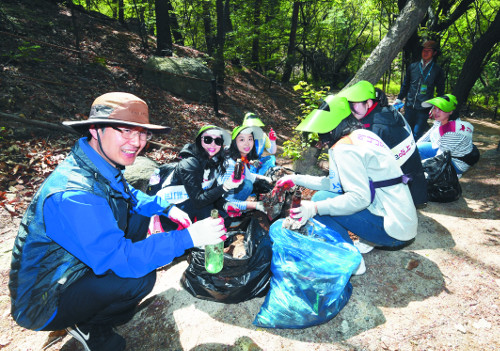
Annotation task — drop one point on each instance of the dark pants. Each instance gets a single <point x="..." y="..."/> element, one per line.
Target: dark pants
<point x="417" y="119"/>
<point x="105" y="299"/>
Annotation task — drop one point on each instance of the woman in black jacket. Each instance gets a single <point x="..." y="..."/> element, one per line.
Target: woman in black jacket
<point x="196" y="173"/>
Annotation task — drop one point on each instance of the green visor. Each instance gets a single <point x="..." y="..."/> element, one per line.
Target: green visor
<point x="359" y="92"/>
<point x="446" y="103"/>
<point x="252" y="120"/>
<point x="225" y="134"/>
<point x="327" y="117"/>
<point x="258" y="134"/>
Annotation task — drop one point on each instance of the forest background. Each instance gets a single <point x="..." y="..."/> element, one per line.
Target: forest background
<point x="326" y="42"/>
<point x="57" y="56"/>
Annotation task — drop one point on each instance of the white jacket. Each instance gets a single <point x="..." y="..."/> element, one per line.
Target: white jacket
<point x="356" y="164"/>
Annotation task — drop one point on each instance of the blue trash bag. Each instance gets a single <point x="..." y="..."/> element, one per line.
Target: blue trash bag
<point x="309" y="277"/>
<point x="266" y="163"/>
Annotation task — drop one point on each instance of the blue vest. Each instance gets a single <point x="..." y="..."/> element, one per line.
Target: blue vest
<point x="34" y="290"/>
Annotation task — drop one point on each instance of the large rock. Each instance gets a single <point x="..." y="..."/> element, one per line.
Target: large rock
<point x="308" y="163"/>
<point x="183" y="76"/>
<point x="139" y="173"/>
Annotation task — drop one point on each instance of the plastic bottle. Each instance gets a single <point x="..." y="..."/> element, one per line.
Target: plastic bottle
<point x="214" y="254"/>
<point x="154" y="180"/>
<point x="296" y="198"/>
<point x="238" y="170"/>
<point x="155" y="177"/>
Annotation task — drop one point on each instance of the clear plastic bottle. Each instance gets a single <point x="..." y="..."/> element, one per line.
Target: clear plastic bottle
<point x="155" y="177"/>
<point x="154" y="181"/>
<point x="214" y="254"/>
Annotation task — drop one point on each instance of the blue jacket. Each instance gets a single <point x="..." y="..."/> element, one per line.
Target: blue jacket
<point x="418" y="85"/>
<point x="78" y="221"/>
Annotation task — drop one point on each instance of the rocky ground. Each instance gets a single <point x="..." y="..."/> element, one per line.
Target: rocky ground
<point x="439" y="293"/>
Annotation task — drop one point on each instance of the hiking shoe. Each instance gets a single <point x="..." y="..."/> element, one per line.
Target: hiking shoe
<point x="361" y="268"/>
<point x="363" y="246"/>
<point x="97" y="337"/>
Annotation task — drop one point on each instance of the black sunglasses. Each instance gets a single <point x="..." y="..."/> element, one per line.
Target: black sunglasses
<point x="208" y="140"/>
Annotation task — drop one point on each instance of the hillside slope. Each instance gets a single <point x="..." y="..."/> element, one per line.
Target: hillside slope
<point x="442" y="292"/>
<point x="45" y="78"/>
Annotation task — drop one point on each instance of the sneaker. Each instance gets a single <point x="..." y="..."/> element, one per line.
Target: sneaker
<point x="363" y="246"/>
<point x="361" y="268"/>
<point x="97" y="337"/>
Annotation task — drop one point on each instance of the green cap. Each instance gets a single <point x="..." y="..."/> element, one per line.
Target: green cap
<point x="252" y="120"/>
<point x="225" y="134"/>
<point x="446" y="103"/>
<point x="257" y="132"/>
<point x="359" y="92"/>
<point x="327" y="117"/>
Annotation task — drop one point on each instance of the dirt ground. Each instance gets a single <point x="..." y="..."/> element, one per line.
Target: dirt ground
<point x="440" y="293"/>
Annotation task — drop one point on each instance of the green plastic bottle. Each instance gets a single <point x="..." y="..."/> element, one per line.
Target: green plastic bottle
<point x="214" y="254"/>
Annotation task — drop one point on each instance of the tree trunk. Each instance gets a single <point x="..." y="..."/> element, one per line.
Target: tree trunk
<point x="381" y="57"/>
<point x="290" y="56"/>
<point x="219" y="54"/>
<point x="174" y="24"/>
<point x="121" y="13"/>
<point x="164" y="46"/>
<point x="207" y="25"/>
<point x="474" y="63"/>
<point x="228" y="25"/>
<point x="256" y="36"/>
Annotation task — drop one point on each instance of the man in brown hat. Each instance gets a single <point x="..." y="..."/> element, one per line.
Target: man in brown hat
<point x="421" y="79"/>
<point x="81" y="259"/>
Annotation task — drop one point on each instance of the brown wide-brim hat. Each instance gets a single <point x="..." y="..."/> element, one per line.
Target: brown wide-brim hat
<point x="118" y="108"/>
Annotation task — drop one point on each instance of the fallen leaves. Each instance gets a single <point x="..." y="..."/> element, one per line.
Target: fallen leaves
<point x="24" y="165"/>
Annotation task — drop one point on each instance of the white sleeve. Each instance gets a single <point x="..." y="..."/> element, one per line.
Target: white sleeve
<point x="312" y="182"/>
<point x="355" y="184"/>
<point x="249" y="175"/>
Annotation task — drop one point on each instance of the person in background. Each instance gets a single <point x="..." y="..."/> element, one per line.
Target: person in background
<point x="264" y="142"/>
<point x="365" y="193"/>
<point x="421" y="80"/>
<point x="369" y="105"/>
<point x="81" y="259"/>
<point x="202" y="162"/>
<point x="448" y="132"/>
<point x="243" y="147"/>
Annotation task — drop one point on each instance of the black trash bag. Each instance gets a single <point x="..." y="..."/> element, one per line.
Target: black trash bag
<point x="260" y="186"/>
<point x="240" y="279"/>
<point x="442" y="180"/>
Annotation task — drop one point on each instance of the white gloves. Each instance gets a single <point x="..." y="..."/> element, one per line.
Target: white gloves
<point x="180" y="217"/>
<point x="260" y="207"/>
<point x="209" y="231"/>
<point x="231" y="183"/>
<point x="285" y="182"/>
<point x="232" y="211"/>
<point x="303" y="213"/>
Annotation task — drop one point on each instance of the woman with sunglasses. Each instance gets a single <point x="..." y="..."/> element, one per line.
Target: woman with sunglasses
<point x="196" y="173"/>
<point x="448" y="133"/>
<point x="243" y="148"/>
